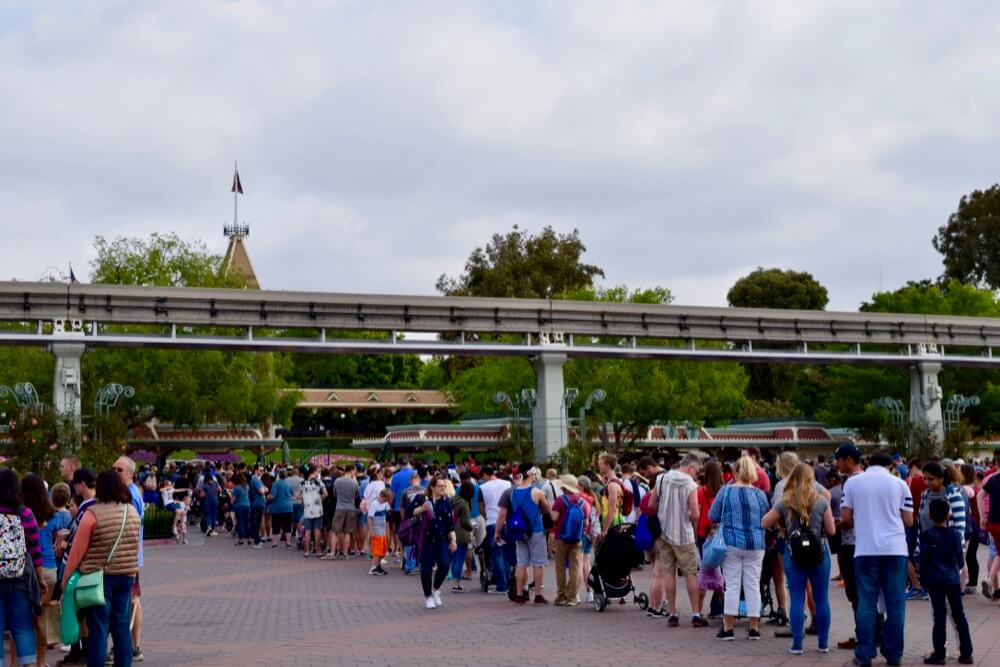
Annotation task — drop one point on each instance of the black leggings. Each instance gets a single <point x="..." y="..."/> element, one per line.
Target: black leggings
<point x="431" y="553"/>
<point x="972" y="560"/>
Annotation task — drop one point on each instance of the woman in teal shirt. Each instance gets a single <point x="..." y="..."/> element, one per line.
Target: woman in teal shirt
<point x="241" y="506"/>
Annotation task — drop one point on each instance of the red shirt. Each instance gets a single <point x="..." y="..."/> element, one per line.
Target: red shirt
<point x="763" y="481"/>
<point x="562" y="508"/>
<point x="917" y="487"/>
<point x="704" y="504"/>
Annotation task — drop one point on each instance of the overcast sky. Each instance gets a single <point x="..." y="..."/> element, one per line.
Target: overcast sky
<point x="379" y="143"/>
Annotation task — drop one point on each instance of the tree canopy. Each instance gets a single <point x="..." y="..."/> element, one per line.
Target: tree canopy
<point x="163" y="260"/>
<point x="775" y="288"/>
<point x="524" y="265"/>
<point x="970" y="240"/>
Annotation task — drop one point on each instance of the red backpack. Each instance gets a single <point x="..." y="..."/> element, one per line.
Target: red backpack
<point x="628" y="498"/>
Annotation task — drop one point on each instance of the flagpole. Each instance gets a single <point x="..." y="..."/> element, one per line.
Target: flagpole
<point x="235" y="195"/>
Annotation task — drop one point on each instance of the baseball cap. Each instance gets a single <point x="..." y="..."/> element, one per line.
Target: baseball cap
<point x="847" y="451"/>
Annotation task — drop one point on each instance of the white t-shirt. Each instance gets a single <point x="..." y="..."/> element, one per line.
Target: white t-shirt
<point x="492" y="490"/>
<point x="876" y="499"/>
<point x="371" y="495"/>
<point x="312" y="498"/>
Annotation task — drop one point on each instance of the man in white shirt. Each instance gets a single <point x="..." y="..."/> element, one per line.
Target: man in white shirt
<point x="491" y="489"/>
<point x="879" y="507"/>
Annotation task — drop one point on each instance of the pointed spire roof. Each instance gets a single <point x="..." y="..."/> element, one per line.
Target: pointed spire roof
<point x="237" y="262"/>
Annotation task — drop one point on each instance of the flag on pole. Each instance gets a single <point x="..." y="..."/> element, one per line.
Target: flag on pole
<point x="72" y="276"/>
<point x="237" y="185"/>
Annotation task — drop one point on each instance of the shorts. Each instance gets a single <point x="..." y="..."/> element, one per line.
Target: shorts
<point x="297" y="511"/>
<point x="363" y="519"/>
<point x="172" y="507"/>
<point x="345" y="521"/>
<point x="394" y="518"/>
<point x="534" y="551"/>
<point x="315" y="523"/>
<point x="327" y="519"/>
<point x="380" y="545"/>
<point x="136" y="588"/>
<point x="993" y="549"/>
<point x="586" y="546"/>
<point x="682" y="558"/>
<point x="281" y="523"/>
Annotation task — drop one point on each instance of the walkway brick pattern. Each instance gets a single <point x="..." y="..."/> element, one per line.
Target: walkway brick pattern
<point x="216" y="604"/>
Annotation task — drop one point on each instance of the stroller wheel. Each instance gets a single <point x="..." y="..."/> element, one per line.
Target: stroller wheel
<point x="484" y="582"/>
<point x="642" y="600"/>
<point x="600" y="602"/>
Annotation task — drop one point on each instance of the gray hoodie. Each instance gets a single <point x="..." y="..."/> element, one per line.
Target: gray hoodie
<point x="674" y="488"/>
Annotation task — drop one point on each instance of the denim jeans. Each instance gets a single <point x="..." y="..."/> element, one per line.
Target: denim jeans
<point x="431" y="554"/>
<point x="458" y="562"/>
<point x="242" y="522"/>
<point x="211" y="513"/>
<point x="256" y="517"/>
<point x="497" y="561"/>
<point x="941" y="598"/>
<point x="410" y="559"/>
<point x="113" y="617"/>
<point x="885" y="574"/>
<point x="15" y="618"/>
<point x="819" y="577"/>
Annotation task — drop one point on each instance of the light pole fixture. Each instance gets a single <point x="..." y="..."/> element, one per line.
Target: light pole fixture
<point x="894" y="407"/>
<point x="24" y="394"/>
<point x="956" y="407"/>
<point x="595" y="396"/>
<point x="108" y="395"/>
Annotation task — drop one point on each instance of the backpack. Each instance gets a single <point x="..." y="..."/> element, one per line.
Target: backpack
<point x="13" y="549"/>
<point x="806" y="548"/>
<point x="571" y="530"/>
<point x="627" y="499"/>
<point x="519" y="526"/>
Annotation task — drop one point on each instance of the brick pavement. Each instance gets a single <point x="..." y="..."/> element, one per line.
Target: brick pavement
<point x="216" y="604"/>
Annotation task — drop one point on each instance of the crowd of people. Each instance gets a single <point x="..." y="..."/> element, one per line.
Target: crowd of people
<point x="756" y="540"/>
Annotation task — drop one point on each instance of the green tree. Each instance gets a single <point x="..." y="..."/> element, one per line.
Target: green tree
<point x="775" y="288"/>
<point x="523" y="265"/>
<point x="970" y="240"/>
<point x="642" y="392"/>
<point x="183" y="386"/>
<point x="163" y="260"/>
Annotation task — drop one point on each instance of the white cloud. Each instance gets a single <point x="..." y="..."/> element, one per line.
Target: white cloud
<point x="689" y="142"/>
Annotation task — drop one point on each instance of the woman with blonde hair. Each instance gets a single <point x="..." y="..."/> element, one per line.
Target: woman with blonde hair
<point x="740" y="507"/>
<point x="808" y="520"/>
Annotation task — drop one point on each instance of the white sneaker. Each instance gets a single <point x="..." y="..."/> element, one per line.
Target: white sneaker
<point x="437" y="599"/>
<point x="590" y="597"/>
<point x="430" y="603"/>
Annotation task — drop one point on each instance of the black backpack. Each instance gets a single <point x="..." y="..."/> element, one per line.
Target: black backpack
<point x="805" y="546"/>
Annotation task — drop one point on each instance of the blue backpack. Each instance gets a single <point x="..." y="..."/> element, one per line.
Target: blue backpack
<point x="571" y="531"/>
<point x="519" y="526"/>
<point x="644" y="539"/>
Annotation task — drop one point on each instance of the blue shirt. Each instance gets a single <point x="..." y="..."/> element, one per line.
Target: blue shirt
<point x="521" y="498"/>
<point x="740" y="510"/>
<point x="59" y="521"/>
<point x="241" y="497"/>
<point x="282" y="501"/>
<point x="140" y="508"/>
<point x="400" y="482"/>
<point x="474" y="510"/>
<point x="257" y="499"/>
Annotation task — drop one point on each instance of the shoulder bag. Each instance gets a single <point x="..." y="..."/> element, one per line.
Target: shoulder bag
<point x="90" y="587"/>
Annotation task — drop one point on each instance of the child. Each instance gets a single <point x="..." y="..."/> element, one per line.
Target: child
<point x="379" y="541"/>
<point x="941" y="561"/>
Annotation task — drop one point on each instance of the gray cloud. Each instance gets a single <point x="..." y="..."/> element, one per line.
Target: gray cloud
<point x="379" y="144"/>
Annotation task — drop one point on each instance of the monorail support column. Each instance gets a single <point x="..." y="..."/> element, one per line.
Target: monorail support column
<point x="549" y="417"/>
<point x="67" y="389"/>
<point x="926" y="395"/>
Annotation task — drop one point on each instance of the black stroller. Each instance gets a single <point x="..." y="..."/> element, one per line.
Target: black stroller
<point x="611" y="576"/>
<point x="483" y="556"/>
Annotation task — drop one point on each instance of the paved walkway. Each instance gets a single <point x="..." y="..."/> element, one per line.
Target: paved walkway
<point x="216" y="604"/>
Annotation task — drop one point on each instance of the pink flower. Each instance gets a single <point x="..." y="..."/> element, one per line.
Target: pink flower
<point x="34" y="422"/>
<point x="34" y="442"/>
<point x="54" y="445"/>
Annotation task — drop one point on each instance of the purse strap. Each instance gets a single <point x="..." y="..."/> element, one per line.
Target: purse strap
<point x="118" y="539"/>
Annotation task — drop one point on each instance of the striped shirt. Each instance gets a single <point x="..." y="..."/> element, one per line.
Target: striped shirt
<point x="740" y="510"/>
<point x="30" y="527"/>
